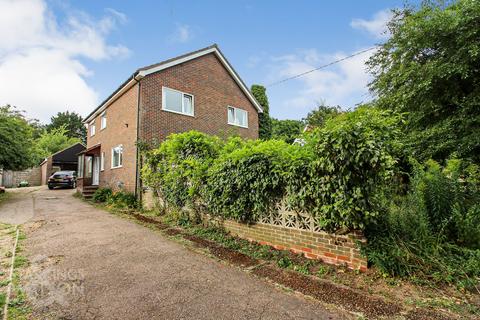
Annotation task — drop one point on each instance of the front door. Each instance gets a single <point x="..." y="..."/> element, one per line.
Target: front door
<point x="96" y="171"/>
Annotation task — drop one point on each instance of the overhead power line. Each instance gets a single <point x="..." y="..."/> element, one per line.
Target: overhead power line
<point x="322" y="67"/>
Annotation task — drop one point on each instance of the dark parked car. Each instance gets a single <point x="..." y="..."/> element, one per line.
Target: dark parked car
<point x="63" y="179"/>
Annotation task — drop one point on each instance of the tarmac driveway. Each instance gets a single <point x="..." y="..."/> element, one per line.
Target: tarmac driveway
<point x="89" y="264"/>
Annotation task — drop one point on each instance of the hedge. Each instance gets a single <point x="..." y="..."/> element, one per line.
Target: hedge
<point x="337" y="176"/>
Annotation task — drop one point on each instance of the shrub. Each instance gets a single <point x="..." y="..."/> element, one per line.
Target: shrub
<point x="433" y="232"/>
<point x="352" y="158"/>
<point x="102" y="194"/>
<point x="177" y="169"/>
<point x="247" y="183"/>
<point x="122" y="200"/>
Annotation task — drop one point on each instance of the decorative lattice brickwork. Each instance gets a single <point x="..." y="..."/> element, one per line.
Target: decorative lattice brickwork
<point x="299" y="232"/>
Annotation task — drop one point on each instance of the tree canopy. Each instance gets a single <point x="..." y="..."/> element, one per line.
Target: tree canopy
<point x="317" y="117"/>
<point x="264" y="121"/>
<point x="53" y="141"/>
<point x="286" y="130"/>
<point x="429" y="69"/>
<point x="72" y="122"/>
<point x="16" y="139"/>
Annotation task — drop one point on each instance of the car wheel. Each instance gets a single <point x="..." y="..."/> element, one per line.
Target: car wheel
<point x="74" y="185"/>
<point x="50" y="187"/>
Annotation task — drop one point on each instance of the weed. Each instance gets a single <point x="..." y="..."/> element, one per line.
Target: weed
<point x="285" y="262"/>
<point x="20" y="261"/>
<point x="322" y="271"/>
<point x="4" y="283"/>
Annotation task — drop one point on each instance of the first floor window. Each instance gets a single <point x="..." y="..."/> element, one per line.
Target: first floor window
<point x="92" y="128"/>
<point x="117" y="156"/>
<point x="237" y="117"/>
<point x="103" y="120"/>
<point x="80" y="166"/>
<point x="177" y="101"/>
<point x="102" y="161"/>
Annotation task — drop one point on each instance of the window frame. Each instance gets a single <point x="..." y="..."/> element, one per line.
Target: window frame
<point x="183" y="102"/>
<point x="103" y="124"/>
<point x="80" y="166"/>
<point x="91" y="127"/>
<point x="234" y="116"/>
<point x="102" y="161"/>
<point x="120" y="147"/>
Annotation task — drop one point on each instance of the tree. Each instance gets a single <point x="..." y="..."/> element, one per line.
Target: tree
<point x="318" y="116"/>
<point x="286" y="130"/>
<point x="72" y="122"/>
<point x="16" y="141"/>
<point x="428" y="69"/>
<point x="264" y="121"/>
<point x="53" y="141"/>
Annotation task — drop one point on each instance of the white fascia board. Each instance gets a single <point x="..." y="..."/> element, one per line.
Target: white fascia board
<point x="120" y="92"/>
<point x="146" y="72"/>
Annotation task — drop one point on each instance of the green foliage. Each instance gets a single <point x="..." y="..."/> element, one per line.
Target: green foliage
<point x="286" y="130"/>
<point x="247" y="183"/>
<point x="16" y="140"/>
<point x="337" y="176"/>
<point x="177" y="169"/>
<point x="340" y="180"/>
<point x="122" y="200"/>
<point x="53" y="141"/>
<point x="72" y="122"/>
<point x="264" y="120"/>
<point x="319" y="116"/>
<point x="102" y="194"/>
<point x="434" y="231"/>
<point x="429" y="68"/>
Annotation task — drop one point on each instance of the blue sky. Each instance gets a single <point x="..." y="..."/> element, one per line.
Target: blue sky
<point x="72" y="54"/>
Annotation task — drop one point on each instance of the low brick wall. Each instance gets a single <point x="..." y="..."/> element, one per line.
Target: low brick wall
<point x="330" y="248"/>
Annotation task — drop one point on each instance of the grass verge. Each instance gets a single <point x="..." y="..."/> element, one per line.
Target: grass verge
<point x="17" y="307"/>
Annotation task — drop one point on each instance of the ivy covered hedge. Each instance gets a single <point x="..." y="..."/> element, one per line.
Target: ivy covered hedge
<point x="336" y="175"/>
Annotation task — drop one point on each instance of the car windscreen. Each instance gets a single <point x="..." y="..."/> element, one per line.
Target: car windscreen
<point x="64" y="173"/>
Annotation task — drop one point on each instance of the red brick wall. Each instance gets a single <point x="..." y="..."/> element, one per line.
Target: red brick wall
<point x="330" y="248"/>
<point x="121" y="130"/>
<point x="213" y="89"/>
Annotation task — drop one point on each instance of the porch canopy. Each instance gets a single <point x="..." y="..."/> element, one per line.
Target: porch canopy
<point x="88" y="165"/>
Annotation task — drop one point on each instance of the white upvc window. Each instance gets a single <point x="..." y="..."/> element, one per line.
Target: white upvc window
<point x="237" y="117"/>
<point x="88" y="167"/>
<point x="117" y="157"/>
<point x="80" y="166"/>
<point x="103" y="120"/>
<point x="102" y="161"/>
<point x="92" y="128"/>
<point x="177" y="101"/>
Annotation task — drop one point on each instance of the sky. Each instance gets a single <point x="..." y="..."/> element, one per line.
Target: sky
<point x="70" y="55"/>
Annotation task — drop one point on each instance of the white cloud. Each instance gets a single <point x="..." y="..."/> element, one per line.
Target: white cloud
<point x="377" y="26"/>
<point x="343" y="84"/>
<point x="183" y="33"/>
<point x="40" y="67"/>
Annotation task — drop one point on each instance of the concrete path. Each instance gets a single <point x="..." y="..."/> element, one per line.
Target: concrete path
<point x="19" y="208"/>
<point x="89" y="264"/>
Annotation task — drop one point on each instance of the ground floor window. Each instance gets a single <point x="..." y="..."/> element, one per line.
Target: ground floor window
<point x="88" y="167"/>
<point x="117" y="157"/>
<point x="102" y="161"/>
<point x="80" y="166"/>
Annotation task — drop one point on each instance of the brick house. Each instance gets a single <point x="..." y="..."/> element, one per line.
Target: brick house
<point x="199" y="90"/>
